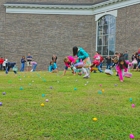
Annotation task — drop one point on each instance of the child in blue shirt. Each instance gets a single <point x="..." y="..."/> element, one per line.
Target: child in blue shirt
<point x="52" y="67"/>
<point x="84" y="56"/>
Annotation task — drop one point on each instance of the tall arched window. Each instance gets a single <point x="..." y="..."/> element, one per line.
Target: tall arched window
<point x="106" y="34"/>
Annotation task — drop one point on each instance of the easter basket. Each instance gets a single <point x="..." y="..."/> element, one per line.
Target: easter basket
<point x="127" y="74"/>
<point x="108" y="72"/>
<point x="94" y="69"/>
<point x="15" y="68"/>
<point x="79" y="65"/>
<point x="134" y="62"/>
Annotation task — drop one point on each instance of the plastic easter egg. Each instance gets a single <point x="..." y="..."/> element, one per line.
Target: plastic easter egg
<point x="100" y="85"/>
<point x="103" y="90"/>
<point x="0" y="103"/>
<point x="127" y="74"/>
<point x="75" y="88"/>
<point x="131" y="136"/>
<point x="30" y="84"/>
<point x="43" y="95"/>
<point x="47" y="100"/>
<point x="42" y="105"/>
<point x="99" y="92"/>
<point x="130" y="99"/>
<point x="95" y="119"/>
<point x="21" y="88"/>
<point x="3" y="93"/>
<point x="133" y="105"/>
<point x="108" y="72"/>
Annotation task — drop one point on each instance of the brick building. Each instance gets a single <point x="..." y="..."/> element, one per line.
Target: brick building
<point x="46" y="27"/>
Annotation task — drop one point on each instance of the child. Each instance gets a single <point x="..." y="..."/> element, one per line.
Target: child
<point x="98" y="61"/>
<point x="95" y="64"/>
<point x="69" y="61"/>
<point x="108" y="62"/>
<point x="1" y="62"/>
<point x="34" y="65"/>
<point x="8" y="66"/>
<point x="54" y="58"/>
<point x="4" y="64"/>
<point x="121" y="67"/>
<point x="138" y="61"/>
<point x="84" y="56"/>
<point x="29" y="59"/>
<point x="22" y="63"/>
<point x="115" y="60"/>
<point x="52" y="67"/>
<point x="134" y="60"/>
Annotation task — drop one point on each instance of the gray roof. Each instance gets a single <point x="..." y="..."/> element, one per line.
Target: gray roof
<point x="42" y="3"/>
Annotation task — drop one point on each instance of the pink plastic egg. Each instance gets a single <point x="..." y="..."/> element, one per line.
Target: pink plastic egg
<point x="131" y="136"/>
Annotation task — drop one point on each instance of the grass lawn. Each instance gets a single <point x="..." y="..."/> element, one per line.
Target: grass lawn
<point x="72" y="104"/>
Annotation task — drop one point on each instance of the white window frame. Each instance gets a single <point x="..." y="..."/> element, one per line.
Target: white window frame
<point x="97" y="17"/>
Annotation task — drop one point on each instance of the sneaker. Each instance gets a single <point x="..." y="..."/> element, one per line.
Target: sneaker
<point x="86" y="75"/>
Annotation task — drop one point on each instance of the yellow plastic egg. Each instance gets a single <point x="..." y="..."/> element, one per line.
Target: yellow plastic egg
<point x="42" y="105"/>
<point x="94" y="119"/>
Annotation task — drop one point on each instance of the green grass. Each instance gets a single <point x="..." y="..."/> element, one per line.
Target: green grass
<point x="73" y="103"/>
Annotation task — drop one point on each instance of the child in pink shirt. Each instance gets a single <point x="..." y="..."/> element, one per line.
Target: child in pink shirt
<point x="122" y="67"/>
<point x="69" y="61"/>
<point x="34" y="65"/>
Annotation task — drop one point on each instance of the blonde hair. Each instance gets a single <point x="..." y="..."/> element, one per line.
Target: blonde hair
<point x="65" y="59"/>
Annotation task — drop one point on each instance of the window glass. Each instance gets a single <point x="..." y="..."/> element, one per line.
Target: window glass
<point x="106" y="34"/>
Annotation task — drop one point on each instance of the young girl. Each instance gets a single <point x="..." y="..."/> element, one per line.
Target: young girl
<point x="84" y="56"/>
<point x="134" y="60"/>
<point x="108" y="62"/>
<point x="52" y="67"/>
<point x="54" y="58"/>
<point x="94" y="66"/>
<point x="34" y="65"/>
<point x="69" y="61"/>
<point x="22" y="63"/>
<point x="97" y="62"/>
<point x="121" y="67"/>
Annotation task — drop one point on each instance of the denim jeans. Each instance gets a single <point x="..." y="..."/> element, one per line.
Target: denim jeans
<point x="22" y="66"/>
<point x="34" y="67"/>
<point x="108" y="66"/>
<point x="99" y="68"/>
<point x="0" y="66"/>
